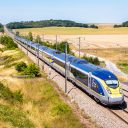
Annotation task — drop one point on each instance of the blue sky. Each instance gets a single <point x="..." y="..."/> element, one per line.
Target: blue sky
<point x="86" y="11"/>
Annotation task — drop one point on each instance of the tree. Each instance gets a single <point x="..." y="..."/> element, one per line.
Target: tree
<point x="93" y="60"/>
<point x="17" y="33"/>
<point x="46" y="23"/>
<point x="30" y="36"/>
<point x="38" y="39"/>
<point x="1" y="28"/>
<point x="93" y="26"/>
<point x="61" y="47"/>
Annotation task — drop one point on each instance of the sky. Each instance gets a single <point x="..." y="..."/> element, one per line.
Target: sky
<point x="84" y="11"/>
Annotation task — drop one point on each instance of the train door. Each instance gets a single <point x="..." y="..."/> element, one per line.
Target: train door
<point x="89" y="79"/>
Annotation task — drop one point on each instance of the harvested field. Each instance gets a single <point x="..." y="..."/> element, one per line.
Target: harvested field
<point x="90" y="38"/>
<point x="107" y="42"/>
<point x="74" y="31"/>
<point x="117" y="55"/>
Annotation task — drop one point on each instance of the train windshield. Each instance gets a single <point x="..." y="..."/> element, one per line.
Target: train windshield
<point x="112" y="83"/>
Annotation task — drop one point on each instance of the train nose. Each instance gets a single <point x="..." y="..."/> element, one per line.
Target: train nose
<point x="116" y="100"/>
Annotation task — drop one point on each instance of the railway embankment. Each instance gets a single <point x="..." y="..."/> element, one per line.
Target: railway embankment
<point x="100" y="114"/>
<point x="33" y="102"/>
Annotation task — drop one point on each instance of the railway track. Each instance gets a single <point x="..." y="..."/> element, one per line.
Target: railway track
<point x="121" y="113"/>
<point x="126" y="92"/>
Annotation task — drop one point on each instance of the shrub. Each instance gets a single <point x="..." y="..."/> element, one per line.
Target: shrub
<point x="21" y="66"/>
<point x="93" y="60"/>
<point x="8" y="42"/>
<point x="32" y="70"/>
<point x="61" y="109"/>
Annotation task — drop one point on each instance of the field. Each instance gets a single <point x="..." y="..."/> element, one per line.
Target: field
<point x="107" y="42"/>
<point x="32" y="102"/>
<point x="106" y="37"/>
<point x="74" y="31"/>
<point x="117" y="55"/>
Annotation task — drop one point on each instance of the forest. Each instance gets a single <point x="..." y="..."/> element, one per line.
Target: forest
<point x="48" y="23"/>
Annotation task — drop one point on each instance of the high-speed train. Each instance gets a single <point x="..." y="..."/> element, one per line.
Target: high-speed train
<point x="102" y="84"/>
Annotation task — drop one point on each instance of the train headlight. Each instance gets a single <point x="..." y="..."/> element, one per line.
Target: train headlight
<point x="108" y="90"/>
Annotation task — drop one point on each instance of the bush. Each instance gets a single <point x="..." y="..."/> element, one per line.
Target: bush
<point x="93" y="60"/>
<point x="32" y="70"/>
<point x="21" y="66"/>
<point x="61" y="109"/>
<point x="8" y="42"/>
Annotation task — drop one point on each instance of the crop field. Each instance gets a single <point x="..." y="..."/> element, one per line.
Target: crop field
<point x="107" y="42"/>
<point x="74" y="31"/>
<point x="117" y="55"/>
<point x="106" y="37"/>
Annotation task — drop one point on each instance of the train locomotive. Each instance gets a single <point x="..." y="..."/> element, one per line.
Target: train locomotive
<point x="102" y="84"/>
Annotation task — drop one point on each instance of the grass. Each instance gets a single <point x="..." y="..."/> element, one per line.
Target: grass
<point x="73" y="31"/>
<point x="15" y="117"/>
<point x="9" y="58"/>
<point x="32" y="102"/>
<point x="123" y="66"/>
<point x="41" y="107"/>
<point x="8" y="95"/>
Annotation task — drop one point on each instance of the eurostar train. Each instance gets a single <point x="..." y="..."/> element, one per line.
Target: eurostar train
<point x="102" y="84"/>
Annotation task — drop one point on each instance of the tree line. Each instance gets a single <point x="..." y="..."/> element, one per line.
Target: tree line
<point x="1" y="28"/>
<point x="48" y="23"/>
<point x="124" y="24"/>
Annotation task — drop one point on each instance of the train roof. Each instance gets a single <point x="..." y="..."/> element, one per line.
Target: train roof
<point x="78" y="63"/>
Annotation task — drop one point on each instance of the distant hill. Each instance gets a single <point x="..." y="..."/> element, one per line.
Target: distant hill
<point x="124" y="24"/>
<point x="1" y="28"/>
<point x="48" y="23"/>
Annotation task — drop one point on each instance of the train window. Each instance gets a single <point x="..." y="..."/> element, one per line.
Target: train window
<point x="80" y="76"/>
<point x="112" y="83"/>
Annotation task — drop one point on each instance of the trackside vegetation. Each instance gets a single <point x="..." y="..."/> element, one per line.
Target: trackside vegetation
<point x="93" y="60"/>
<point x="7" y="42"/>
<point x="30" y="70"/>
<point x="32" y="102"/>
<point x="60" y="46"/>
<point x="1" y="28"/>
<point x="48" y="23"/>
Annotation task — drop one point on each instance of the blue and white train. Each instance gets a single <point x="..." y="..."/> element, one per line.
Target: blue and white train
<point x="102" y="84"/>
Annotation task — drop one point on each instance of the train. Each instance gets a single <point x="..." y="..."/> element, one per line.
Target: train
<point x="98" y="82"/>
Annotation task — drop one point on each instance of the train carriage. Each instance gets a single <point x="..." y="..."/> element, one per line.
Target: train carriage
<point x="102" y="84"/>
